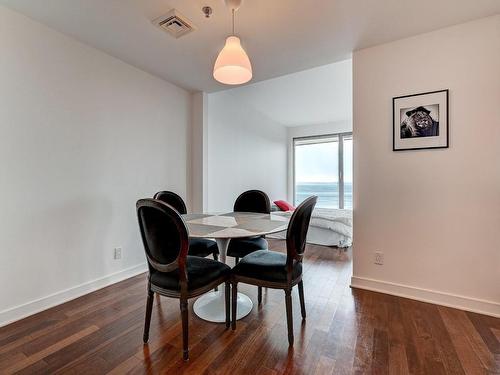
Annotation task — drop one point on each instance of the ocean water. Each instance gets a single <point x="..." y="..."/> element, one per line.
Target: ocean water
<point x="327" y="192"/>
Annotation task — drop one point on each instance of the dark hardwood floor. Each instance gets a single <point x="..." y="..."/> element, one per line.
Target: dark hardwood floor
<point x="346" y="331"/>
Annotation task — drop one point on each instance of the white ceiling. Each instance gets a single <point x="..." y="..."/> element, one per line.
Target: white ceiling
<point x="315" y="96"/>
<point x="280" y="36"/>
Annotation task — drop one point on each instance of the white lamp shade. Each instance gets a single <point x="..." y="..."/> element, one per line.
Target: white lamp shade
<point x="232" y="66"/>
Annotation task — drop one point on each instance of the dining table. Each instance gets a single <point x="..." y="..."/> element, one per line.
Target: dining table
<point x="222" y="228"/>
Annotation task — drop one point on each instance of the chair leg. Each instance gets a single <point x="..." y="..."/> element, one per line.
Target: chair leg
<point x="228" y="303"/>
<point x="289" y="319"/>
<point x="301" y="297"/>
<point x="216" y="258"/>
<point x="259" y="295"/>
<point x="234" y="304"/>
<point x="185" y="331"/>
<point x="149" y="309"/>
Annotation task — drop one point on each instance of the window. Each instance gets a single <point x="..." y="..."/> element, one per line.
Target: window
<point x="347" y="170"/>
<point x="323" y="167"/>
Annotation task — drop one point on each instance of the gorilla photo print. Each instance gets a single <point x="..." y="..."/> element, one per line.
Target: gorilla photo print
<point x="420" y="121"/>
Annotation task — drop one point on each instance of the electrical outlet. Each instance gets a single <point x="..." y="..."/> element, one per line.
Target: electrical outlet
<point x="118" y="253"/>
<point x="379" y="258"/>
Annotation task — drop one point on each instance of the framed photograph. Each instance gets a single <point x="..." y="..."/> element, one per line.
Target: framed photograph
<point x="420" y="121"/>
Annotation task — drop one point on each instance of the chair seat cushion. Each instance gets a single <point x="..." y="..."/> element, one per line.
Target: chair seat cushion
<point x="201" y="272"/>
<point x="202" y="247"/>
<point x="266" y="265"/>
<point x="240" y="247"/>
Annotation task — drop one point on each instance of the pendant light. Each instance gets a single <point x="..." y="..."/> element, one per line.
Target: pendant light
<point x="233" y="66"/>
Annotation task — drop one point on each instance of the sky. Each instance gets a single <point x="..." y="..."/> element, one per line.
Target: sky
<point x="319" y="162"/>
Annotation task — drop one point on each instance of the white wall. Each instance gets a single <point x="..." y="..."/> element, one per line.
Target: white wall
<point x="83" y="136"/>
<point x="434" y="213"/>
<point x="198" y="182"/>
<point x="246" y="150"/>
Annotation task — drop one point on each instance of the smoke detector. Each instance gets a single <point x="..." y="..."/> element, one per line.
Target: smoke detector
<point x="174" y="23"/>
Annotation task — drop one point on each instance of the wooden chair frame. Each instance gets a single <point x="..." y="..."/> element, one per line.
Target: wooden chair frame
<point x="179" y="263"/>
<point x="295" y="253"/>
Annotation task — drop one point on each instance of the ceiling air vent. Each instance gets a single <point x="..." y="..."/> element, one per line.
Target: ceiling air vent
<point x="174" y="23"/>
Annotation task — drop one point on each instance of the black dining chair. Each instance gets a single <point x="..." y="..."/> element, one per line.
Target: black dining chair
<point x="250" y="201"/>
<point x="200" y="247"/>
<point x="276" y="270"/>
<point x="172" y="272"/>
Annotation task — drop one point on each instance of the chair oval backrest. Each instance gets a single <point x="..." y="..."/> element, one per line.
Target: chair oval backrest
<point x="169" y="197"/>
<point x="253" y="201"/>
<point x="164" y="235"/>
<point x="297" y="229"/>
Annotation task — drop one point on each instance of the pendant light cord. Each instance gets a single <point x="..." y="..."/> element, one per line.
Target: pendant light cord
<point x="233" y="20"/>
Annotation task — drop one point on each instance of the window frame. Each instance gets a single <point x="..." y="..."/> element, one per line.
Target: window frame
<point x="340" y="139"/>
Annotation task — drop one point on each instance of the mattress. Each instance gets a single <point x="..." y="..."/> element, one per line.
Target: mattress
<point x="328" y="227"/>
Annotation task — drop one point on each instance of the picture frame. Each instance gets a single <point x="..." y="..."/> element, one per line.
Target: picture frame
<point x="420" y="121"/>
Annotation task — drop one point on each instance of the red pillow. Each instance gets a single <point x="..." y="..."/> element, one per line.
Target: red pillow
<point x="284" y="205"/>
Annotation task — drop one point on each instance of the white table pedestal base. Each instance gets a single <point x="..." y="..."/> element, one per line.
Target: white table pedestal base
<point x="211" y="306"/>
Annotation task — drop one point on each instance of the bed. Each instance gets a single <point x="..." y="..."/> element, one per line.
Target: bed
<point x="328" y="227"/>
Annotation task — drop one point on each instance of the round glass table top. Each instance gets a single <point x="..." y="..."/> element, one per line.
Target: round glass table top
<point x="234" y="224"/>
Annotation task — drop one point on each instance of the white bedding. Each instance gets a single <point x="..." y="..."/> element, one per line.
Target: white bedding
<point x="324" y="221"/>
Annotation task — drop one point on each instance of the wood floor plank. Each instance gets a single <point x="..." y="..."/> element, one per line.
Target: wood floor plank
<point x="380" y="361"/>
<point x="347" y="331"/>
<point x="442" y="340"/>
<point x="483" y="325"/>
<point x="325" y="366"/>
<point x="39" y="367"/>
<point x="86" y="347"/>
<point x="398" y="361"/>
<point x="9" y="359"/>
<point x="102" y="313"/>
<point x="467" y="356"/>
<point x="35" y="357"/>
<point x="425" y="343"/>
<point x="365" y="340"/>
<point x="20" y="332"/>
<point x="496" y="332"/>
<point x="125" y="367"/>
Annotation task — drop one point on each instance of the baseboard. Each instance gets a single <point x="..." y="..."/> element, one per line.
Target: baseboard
<point x="22" y="311"/>
<point x="425" y="295"/>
